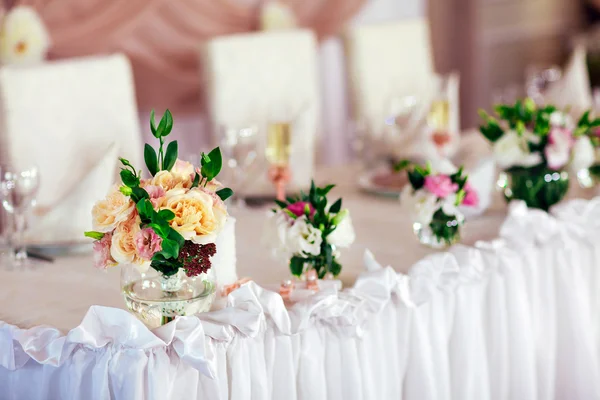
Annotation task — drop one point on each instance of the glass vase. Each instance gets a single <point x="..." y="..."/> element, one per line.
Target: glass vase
<point x="156" y="299"/>
<point x="442" y="232"/>
<point x="538" y="187"/>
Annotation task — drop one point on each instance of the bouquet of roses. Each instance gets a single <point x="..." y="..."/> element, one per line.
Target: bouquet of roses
<point x="169" y="221"/>
<point x="308" y="231"/>
<point x="525" y="135"/>
<point x="433" y="198"/>
<point x="537" y="147"/>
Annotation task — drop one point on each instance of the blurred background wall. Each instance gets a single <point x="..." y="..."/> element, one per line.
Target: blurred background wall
<point x="491" y="43"/>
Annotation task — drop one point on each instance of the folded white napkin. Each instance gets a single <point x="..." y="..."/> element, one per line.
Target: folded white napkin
<point x="573" y="89"/>
<point x="62" y="220"/>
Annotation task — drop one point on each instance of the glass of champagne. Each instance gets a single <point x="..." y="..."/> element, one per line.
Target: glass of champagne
<point x="18" y="189"/>
<point x="239" y="146"/>
<point x="277" y="152"/>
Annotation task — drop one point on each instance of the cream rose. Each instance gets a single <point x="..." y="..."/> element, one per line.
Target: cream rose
<point x="183" y="168"/>
<point x="197" y="217"/>
<point x="107" y="213"/>
<point x="168" y="181"/>
<point x="24" y="39"/>
<point x="123" y="249"/>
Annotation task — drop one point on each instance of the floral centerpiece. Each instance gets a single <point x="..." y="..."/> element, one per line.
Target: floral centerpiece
<point x="536" y="147"/>
<point x="167" y="223"/>
<point x="308" y="232"/>
<point x="433" y="199"/>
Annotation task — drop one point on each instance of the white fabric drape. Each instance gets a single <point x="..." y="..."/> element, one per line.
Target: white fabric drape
<point x="515" y="318"/>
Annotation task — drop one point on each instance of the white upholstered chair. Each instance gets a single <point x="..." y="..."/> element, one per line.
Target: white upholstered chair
<point x="71" y="118"/>
<point x="259" y="78"/>
<point x="394" y="60"/>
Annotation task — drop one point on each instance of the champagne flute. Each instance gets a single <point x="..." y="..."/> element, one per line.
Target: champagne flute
<point x="277" y="153"/>
<point x="18" y="189"/>
<point x="239" y="146"/>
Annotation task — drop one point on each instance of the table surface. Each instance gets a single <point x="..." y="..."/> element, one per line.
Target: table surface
<point x="59" y="294"/>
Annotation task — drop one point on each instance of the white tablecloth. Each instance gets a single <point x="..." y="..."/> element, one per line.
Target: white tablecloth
<point x="513" y="318"/>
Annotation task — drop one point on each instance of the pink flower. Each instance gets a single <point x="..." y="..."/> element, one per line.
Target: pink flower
<point x="155" y="193"/>
<point x="298" y="207"/>
<point x="558" y="149"/>
<point x="440" y="185"/>
<point x="102" y="257"/>
<point x="471" y="197"/>
<point x="147" y="243"/>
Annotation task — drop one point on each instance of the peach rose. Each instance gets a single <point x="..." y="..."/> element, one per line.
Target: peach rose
<point x="183" y="168"/>
<point x="197" y="217"/>
<point x="107" y="213"/>
<point x="123" y="248"/>
<point x="168" y="181"/>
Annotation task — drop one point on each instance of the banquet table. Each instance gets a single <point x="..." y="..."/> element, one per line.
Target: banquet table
<point x="511" y="313"/>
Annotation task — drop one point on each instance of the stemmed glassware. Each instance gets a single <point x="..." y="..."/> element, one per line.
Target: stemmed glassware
<point x="277" y="152"/>
<point x="239" y="147"/>
<point x="18" y="190"/>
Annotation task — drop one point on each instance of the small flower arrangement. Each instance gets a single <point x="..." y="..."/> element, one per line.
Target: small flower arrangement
<point x="537" y="146"/>
<point x="308" y="231"/>
<point x="433" y="198"/>
<point x="168" y="222"/>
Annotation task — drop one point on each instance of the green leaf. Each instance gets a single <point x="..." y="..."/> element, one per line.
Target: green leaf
<point x="153" y="124"/>
<point x="165" y="125"/>
<point x="297" y="265"/>
<point x="325" y="190"/>
<point x="94" y="235"/>
<point x="175" y="236"/>
<point x="416" y="179"/>
<point x="280" y="203"/>
<point x="196" y="180"/>
<point x="402" y="165"/>
<point x="313" y="189"/>
<point x="160" y="229"/>
<point x="584" y="120"/>
<point x="137" y="194"/>
<point x="335" y="268"/>
<point x="170" y="248"/>
<point x="170" y="156"/>
<point x="151" y="159"/>
<point x="224" y="193"/>
<point x="216" y="162"/>
<point x="145" y="209"/>
<point x="167" y="215"/>
<point x="129" y="179"/>
<point x="336" y="207"/>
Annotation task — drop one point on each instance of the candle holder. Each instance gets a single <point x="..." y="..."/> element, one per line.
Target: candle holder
<point x="278" y="155"/>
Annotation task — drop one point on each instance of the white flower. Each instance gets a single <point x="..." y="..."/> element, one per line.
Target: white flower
<point x="512" y="150"/>
<point x="288" y="236"/>
<point x="558" y="149"/>
<point x="23" y="37"/>
<point x="450" y="208"/>
<point x="343" y="235"/>
<point x="421" y="205"/>
<point x="275" y="231"/>
<point x="583" y="154"/>
<point x="302" y="238"/>
<point x="277" y="16"/>
<point x="443" y="166"/>
<point x="559" y="119"/>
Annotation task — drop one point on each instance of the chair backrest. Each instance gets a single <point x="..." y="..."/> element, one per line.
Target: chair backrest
<point x="258" y="78"/>
<point x="386" y="60"/>
<point x="64" y="116"/>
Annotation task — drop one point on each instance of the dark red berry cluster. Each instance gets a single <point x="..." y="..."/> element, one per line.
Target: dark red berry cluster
<point x="195" y="258"/>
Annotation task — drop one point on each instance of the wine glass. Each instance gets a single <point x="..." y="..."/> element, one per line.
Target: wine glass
<point x="239" y="146"/>
<point x="277" y="152"/>
<point x="18" y="189"/>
